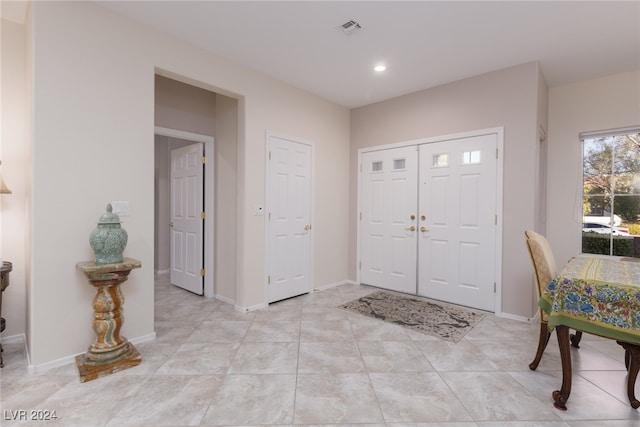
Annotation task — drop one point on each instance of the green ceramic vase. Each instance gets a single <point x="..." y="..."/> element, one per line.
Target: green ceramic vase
<point x="109" y="238"/>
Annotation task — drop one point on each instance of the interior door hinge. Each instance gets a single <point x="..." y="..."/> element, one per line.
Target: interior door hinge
<point x="494" y="287"/>
<point x="269" y="155"/>
<point x="202" y="272"/>
<point x="360" y="265"/>
<point x="203" y="215"/>
<point x="268" y="280"/>
<point x="203" y="160"/>
<point x="495" y="219"/>
<point x="496" y="153"/>
<point x="360" y="216"/>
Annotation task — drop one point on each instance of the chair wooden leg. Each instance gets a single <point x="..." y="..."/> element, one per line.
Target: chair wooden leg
<point x="542" y="344"/>
<point x="627" y="359"/>
<point x="575" y="339"/>
<point x="632" y="360"/>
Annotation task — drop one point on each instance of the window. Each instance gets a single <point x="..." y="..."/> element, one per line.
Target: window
<point x="399" y="164"/>
<point x="611" y="193"/>
<point x="376" y="166"/>
<point x="440" y="160"/>
<point x="471" y="157"/>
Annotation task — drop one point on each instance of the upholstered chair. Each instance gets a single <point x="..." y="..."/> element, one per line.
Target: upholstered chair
<point x="545" y="269"/>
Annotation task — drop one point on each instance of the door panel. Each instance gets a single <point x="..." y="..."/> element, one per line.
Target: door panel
<point x="457" y="200"/>
<point x="389" y="199"/>
<point x="289" y="202"/>
<point x="451" y="254"/>
<point x="186" y="221"/>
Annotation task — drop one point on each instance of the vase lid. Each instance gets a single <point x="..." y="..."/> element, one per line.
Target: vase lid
<point x="109" y="217"/>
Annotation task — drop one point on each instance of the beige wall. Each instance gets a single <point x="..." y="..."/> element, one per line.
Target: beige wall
<point x="506" y="98"/>
<point x="184" y="107"/>
<point x="14" y="154"/>
<point x="91" y="133"/>
<point x="226" y="169"/>
<point x="541" y="178"/>
<point x="94" y="114"/>
<point x="606" y="103"/>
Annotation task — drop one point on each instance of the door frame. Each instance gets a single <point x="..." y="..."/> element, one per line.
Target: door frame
<point x="499" y="132"/>
<point x="209" y="202"/>
<point x="267" y="207"/>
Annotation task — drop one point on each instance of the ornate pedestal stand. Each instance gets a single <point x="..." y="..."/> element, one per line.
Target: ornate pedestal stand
<point x="4" y="283"/>
<point x="110" y="352"/>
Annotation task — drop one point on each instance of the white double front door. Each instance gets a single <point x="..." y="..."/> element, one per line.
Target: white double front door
<point x="428" y="220"/>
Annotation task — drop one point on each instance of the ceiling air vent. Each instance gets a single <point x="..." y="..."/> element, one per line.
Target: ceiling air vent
<point x="350" y="26"/>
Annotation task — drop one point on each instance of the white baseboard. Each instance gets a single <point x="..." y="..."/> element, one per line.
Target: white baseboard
<point x="225" y="299"/>
<point x="334" y="284"/>
<point x="515" y="317"/>
<point x="72" y="359"/>
<point x="144" y="338"/>
<point x="33" y="369"/>
<point x="248" y="309"/>
<point x="12" y="339"/>
<point x="259" y="306"/>
<point x="161" y="272"/>
<point x="518" y="318"/>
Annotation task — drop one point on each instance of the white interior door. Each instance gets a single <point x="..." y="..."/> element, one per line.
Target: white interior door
<point x="388" y="224"/>
<point x="457" y="242"/>
<point x="187" y="224"/>
<point x="289" y="215"/>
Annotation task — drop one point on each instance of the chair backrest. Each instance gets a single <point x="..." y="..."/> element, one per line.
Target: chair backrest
<point x="544" y="264"/>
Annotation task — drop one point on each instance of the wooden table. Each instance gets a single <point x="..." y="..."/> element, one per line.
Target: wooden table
<point x="602" y="297"/>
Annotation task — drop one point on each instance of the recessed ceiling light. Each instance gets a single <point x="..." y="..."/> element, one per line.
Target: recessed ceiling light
<point x="380" y="68"/>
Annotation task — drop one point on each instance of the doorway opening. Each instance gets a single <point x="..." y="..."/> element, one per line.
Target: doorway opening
<point x="191" y="111"/>
<point x="166" y="142"/>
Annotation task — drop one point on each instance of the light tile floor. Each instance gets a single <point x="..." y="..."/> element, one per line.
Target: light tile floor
<point x="304" y="361"/>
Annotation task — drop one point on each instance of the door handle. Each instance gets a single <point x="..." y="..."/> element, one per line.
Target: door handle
<point x="307" y="227"/>
<point x="412" y="228"/>
<point x="171" y="224"/>
<point x="424" y="229"/>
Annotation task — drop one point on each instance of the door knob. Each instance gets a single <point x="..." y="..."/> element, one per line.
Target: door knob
<point x="424" y="229"/>
<point x="413" y="217"/>
<point x="307" y="227"/>
<point x="171" y="224"/>
<point x="412" y="228"/>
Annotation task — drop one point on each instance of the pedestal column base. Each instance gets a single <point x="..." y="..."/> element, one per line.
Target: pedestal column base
<point x="90" y="370"/>
<point x="110" y="352"/>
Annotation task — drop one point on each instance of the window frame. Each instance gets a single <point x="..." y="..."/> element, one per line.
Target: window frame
<point x="610" y="192"/>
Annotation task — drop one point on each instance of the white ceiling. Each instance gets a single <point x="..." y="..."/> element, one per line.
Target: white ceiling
<point x="423" y="43"/>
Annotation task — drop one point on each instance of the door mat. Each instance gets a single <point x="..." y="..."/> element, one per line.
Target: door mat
<point x="446" y="321"/>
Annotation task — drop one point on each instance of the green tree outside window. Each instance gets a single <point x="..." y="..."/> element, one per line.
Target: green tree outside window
<point x="611" y="194"/>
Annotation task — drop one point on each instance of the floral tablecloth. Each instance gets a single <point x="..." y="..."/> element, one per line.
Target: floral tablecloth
<point x="598" y="296"/>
